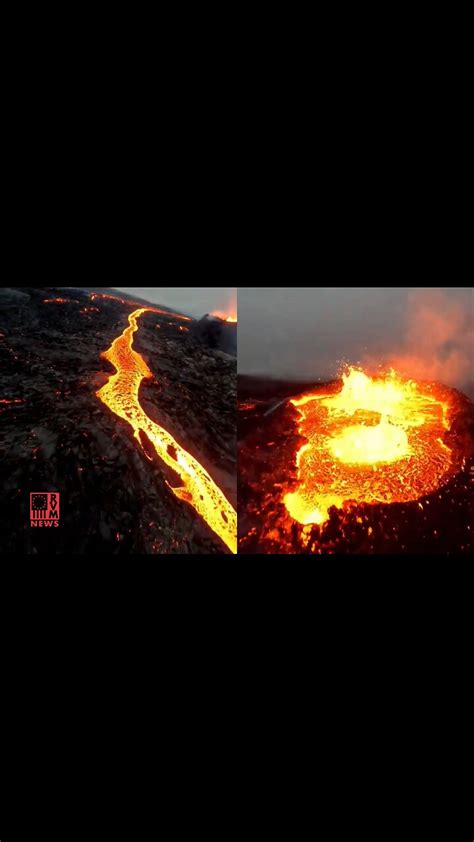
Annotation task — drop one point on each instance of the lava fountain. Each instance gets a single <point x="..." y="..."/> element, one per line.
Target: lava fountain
<point x="120" y="395"/>
<point x="377" y="440"/>
<point x="225" y="317"/>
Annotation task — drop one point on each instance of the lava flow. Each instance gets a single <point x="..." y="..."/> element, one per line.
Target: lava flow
<point x="120" y="394"/>
<point x="57" y="301"/>
<point x="376" y="441"/>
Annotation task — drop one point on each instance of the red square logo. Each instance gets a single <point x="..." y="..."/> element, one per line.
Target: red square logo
<point x="44" y="508"/>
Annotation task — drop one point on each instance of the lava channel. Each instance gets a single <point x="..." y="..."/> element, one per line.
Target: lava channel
<point x="120" y="394"/>
<point x="377" y="440"/>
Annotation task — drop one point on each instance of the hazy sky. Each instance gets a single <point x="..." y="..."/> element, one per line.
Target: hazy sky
<point x="299" y="332"/>
<point x="194" y="301"/>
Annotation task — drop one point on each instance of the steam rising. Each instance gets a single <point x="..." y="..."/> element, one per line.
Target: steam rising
<point x="439" y="339"/>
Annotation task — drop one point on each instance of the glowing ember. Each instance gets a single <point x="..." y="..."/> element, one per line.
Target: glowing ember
<point x="120" y="394"/>
<point x="376" y="441"/>
<point x="13" y="400"/>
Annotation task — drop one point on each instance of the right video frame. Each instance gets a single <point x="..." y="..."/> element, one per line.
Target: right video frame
<point x="355" y="420"/>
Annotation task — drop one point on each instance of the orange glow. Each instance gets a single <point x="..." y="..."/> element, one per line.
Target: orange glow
<point x="120" y="395"/>
<point x="377" y="440"/>
<point x="229" y="311"/>
<point x="226" y="317"/>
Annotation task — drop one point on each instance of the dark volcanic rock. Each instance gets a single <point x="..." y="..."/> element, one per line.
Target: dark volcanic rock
<point x="217" y="334"/>
<point x="12" y="296"/>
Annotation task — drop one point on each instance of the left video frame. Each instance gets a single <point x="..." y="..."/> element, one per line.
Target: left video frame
<point x="118" y="413"/>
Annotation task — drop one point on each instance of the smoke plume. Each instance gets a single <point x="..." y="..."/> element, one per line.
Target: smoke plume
<point x="439" y="339"/>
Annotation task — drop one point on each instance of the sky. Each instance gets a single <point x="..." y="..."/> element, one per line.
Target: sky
<point x="192" y="301"/>
<point x="297" y="332"/>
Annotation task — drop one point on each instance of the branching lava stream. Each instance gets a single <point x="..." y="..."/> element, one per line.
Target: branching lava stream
<point x="120" y="394"/>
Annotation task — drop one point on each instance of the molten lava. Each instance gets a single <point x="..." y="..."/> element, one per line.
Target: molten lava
<point x="376" y="441"/>
<point x="120" y="394"/>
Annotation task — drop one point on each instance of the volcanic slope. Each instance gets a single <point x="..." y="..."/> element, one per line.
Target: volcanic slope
<point x="117" y="495"/>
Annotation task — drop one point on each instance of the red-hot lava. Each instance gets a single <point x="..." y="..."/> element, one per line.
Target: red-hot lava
<point x="120" y="395"/>
<point x="369" y="465"/>
<point x="377" y="440"/>
<point x="57" y="301"/>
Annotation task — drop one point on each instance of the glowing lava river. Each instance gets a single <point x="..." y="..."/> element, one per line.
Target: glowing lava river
<point x="377" y="440"/>
<point x="120" y="395"/>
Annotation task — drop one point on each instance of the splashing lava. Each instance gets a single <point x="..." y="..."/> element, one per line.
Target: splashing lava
<point x="376" y="441"/>
<point x="120" y="394"/>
